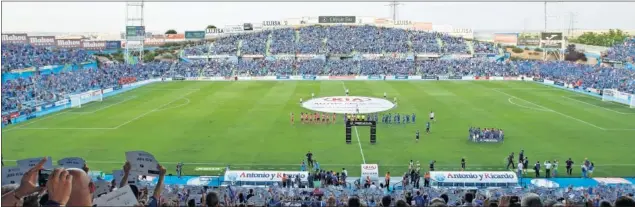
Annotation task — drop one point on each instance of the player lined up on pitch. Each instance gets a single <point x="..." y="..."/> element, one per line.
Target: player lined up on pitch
<point x="315" y="118"/>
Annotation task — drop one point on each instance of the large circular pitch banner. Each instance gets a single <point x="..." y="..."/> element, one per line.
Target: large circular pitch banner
<point x="348" y="104"/>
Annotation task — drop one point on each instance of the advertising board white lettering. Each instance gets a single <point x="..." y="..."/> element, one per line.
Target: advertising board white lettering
<point x="263" y="176"/>
<point x="474" y="177"/>
<point x="370" y="170"/>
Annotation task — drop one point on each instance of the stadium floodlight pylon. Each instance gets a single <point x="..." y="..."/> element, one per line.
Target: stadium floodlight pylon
<point x="77" y="100"/>
<point x="620" y="97"/>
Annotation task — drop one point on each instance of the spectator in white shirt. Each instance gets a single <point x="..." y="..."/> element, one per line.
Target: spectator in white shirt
<point x="547" y="169"/>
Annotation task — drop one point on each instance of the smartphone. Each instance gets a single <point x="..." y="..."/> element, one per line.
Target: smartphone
<point x="43" y="177"/>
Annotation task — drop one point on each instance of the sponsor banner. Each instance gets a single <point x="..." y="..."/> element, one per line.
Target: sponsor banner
<point x="44" y="41"/>
<point x="550" y="82"/>
<point x="455" y="77"/>
<point x="361" y="78"/>
<point x="428" y="55"/>
<point x="403" y="22"/>
<point x="558" y="83"/>
<point x="511" y="78"/>
<point x="204" y="78"/>
<point x="539" y="80"/>
<point x="244" y="78"/>
<point x="94" y="45"/>
<point x="113" y="44"/>
<point x="593" y="90"/>
<point x="323" y="78"/>
<point x="61" y="102"/>
<point x="214" y="31"/>
<point x="14" y="115"/>
<point x="308" y="77"/>
<point x="473" y="177"/>
<point x="282" y="77"/>
<point x="154" y="41"/>
<point x="263" y="176"/>
<point x="178" y="78"/>
<point x="117" y="88"/>
<point x="14" y="38"/>
<point x="248" y="26"/>
<point x="233" y="28"/>
<point x="336" y="19"/>
<point x="30" y="116"/>
<point x="428" y="77"/>
<point x="107" y="90"/>
<point x="341" y="77"/>
<point x="375" y="77"/>
<point x="496" y="78"/>
<point x="175" y="36"/>
<point x="401" y="77"/>
<point x="271" y="23"/>
<point x="422" y="26"/>
<point x="68" y="43"/>
<point x="194" y="35"/>
<point x="47" y="106"/>
<point x="348" y="104"/>
<point x="467" y="78"/>
<point x="370" y="170"/>
<point x="481" y="78"/>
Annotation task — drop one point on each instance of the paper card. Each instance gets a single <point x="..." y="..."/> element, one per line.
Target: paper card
<point x="29" y="163"/>
<point x="118" y="175"/>
<point x="72" y="162"/>
<point x="142" y="162"/>
<point x="12" y="175"/>
<point x="120" y="197"/>
<point x="101" y="186"/>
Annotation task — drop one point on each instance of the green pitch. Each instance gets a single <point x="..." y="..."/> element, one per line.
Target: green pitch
<point x="208" y="125"/>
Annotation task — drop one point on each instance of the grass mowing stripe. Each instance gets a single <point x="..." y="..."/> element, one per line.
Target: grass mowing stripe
<point x="359" y="142"/>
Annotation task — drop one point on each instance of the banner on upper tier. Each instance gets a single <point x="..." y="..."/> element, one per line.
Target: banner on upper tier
<point x="262" y="176"/>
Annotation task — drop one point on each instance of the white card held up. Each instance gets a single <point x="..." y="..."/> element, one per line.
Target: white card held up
<point x="142" y="162"/>
<point x="29" y="163"/>
<point x="121" y="197"/>
<point x="118" y="175"/>
<point x="12" y="175"/>
<point x="72" y="162"/>
<point x="101" y="187"/>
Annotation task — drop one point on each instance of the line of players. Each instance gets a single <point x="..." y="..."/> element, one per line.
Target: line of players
<point x="315" y="118"/>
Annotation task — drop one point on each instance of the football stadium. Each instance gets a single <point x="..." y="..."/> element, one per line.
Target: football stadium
<point x="318" y="111"/>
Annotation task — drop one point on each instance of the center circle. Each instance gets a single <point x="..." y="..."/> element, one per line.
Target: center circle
<point x="348" y="104"/>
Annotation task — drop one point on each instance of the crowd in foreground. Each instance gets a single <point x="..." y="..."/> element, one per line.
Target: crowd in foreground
<point x="74" y="187"/>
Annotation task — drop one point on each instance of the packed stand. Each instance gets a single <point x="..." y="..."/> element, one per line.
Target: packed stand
<point x="394" y="40"/>
<point x="387" y="67"/>
<point x="310" y="67"/>
<point x="312" y="40"/>
<point x="254" y="67"/>
<point x="254" y="43"/>
<point x="283" y="41"/>
<point x="623" y="51"/>
<point x="453" y="45"/>
<point x="20" y="56"/>
<point x="225" y="45"/>
<point x="425" y="42"/>
<point x="342" y="67"/>
<point x="485" y="47"/>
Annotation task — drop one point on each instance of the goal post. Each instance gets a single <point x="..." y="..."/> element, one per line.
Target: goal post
<point x="77" y="100"/>
<point x="613" y="95"/>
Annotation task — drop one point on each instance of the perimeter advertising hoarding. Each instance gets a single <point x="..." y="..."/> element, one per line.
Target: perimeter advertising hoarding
<point x="553" y="40"/>
<point x="14" y="38"/>
<point x="113" y="44"/>
<point x="233" y="28"/>
<point x="43" y="41"/>
<point x="271" y="23"/>
<point x="214" y="31"/>
<point x="154" y="41"/>
<point x="68" y="43"/>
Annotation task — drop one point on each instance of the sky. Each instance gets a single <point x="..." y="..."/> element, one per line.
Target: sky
<point x="109" y="17"/>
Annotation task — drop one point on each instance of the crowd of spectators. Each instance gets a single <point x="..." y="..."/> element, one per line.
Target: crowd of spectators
<point x="74" y="187"/>
<point x="484" y="47"/>
<point x="26" y="92"/>
<point x="623" y="51"/>
<point x="20" y="56"/>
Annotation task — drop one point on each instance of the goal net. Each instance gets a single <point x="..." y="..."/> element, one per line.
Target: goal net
<point x="619" y="97"/>
<point x="77" y="100"/>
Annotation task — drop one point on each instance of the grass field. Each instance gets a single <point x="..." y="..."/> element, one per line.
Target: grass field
<point x="246" y="124"/>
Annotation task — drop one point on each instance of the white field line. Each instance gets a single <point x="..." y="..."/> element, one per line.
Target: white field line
<point x="64" y="128"/>
<point x="360" y="145"/>
<point x="584" y="102"/>
<point x="581" y="121"/>
<point x="105" y="107"/>
<point x="168" y="89"/>
<point x="34" y="121"/>
<point x="539" y="109"/>
<point x="296" y="164"/>
<point x="537" y="89"/>
<point x="153" y="110"/>
<point x="361" y="151"/>
<point x="177" y="106"/>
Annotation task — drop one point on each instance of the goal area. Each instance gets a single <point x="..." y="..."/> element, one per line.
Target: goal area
<point x="77" y="100"/>
<point x="613" y="95"/>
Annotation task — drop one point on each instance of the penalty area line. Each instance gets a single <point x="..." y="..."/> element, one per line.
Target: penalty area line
<point x="153" y="110"/>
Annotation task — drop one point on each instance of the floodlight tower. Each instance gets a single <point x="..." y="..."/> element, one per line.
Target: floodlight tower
<point x="134" y="42"/>
<point x="393" y="9"/>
